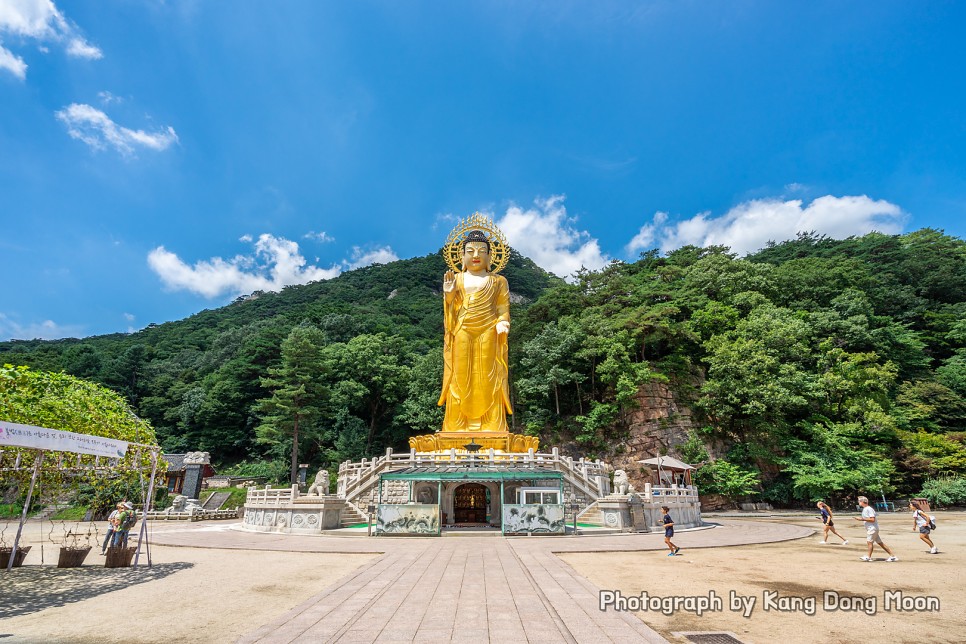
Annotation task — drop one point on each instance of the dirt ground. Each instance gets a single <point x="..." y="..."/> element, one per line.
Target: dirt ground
<point x="188" y="595"/>
<point x="804" y="569"/>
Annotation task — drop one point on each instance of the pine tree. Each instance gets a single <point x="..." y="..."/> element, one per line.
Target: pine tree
<point x="298" y="391"/>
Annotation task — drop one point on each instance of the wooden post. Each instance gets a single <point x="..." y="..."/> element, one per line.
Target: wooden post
<point x="142" y="535"/>
<point x="26" y="507"/>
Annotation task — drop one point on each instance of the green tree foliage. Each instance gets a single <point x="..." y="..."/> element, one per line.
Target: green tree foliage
<point x="297" y="390"/>
<point x="419" y="410"/>
<point x="547" y="363"/>
<point x="945" y="491"/>
<point x="826" y="463"/>
<point x="64" y="402"/>
<point x="368" y="376"/>
<point x="727" y="479"/>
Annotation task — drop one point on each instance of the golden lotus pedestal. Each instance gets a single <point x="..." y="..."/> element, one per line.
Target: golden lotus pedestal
<point x="445" y="441"/>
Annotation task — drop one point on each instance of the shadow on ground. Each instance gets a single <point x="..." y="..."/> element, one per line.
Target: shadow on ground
<point x="34" y="588"/>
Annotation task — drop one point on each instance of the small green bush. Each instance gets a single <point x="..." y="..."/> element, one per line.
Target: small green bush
<point x="275" y="472"/>
<point x="943" y="491"/>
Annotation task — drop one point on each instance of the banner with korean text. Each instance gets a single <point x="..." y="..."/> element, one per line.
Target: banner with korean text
<point x="16" y="435"/>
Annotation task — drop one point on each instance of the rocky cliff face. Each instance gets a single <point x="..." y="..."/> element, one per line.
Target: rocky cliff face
<point x="657" y="427"/>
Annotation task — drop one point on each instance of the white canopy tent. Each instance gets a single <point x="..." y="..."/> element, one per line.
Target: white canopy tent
<point x="662" y="463"/>
<point x="43" y="440"/>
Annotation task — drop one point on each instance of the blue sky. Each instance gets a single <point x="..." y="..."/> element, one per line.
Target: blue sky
<point x="160" y="157"/>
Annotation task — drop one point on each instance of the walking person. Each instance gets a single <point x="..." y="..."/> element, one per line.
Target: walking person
<point x="828" y="524"/>
<point x="669" y="530"/>
<point x="108" y="539"/>
<point x="872" y="530"/>
<point x="923" y="522"/>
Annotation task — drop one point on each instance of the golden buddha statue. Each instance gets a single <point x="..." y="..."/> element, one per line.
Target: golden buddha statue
<point x="476" y="314"/>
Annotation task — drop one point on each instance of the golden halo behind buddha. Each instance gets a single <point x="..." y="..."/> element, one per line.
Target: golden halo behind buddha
<point x="499" y="251"/>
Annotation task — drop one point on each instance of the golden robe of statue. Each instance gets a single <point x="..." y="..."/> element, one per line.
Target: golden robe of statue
<point x="475" y="373"/>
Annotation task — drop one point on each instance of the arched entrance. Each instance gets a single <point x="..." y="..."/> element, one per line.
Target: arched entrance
<point x="470" y="503"/>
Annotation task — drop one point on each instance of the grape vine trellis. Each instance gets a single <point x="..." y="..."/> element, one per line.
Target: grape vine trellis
<point x="69" y="404"/>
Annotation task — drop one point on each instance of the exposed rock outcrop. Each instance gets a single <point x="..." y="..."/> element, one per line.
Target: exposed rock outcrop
<point x="659" y="426"/>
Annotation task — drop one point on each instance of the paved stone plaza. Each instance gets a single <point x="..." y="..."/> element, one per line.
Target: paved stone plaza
<point x="462" y="587"/>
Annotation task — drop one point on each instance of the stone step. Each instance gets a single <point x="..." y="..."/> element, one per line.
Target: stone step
<point x="593" y="516"/>
<point x="49" y="510"/>
<point x="351" y="517"/>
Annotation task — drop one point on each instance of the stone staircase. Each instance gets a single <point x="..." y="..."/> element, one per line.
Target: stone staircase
<point x="591" y="515"/>
<point x="351" y="515"/>
<point x="216" y="500"/>
<point x="50" y="510"/>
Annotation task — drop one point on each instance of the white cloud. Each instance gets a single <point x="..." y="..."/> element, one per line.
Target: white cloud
<point x="548" y="236"/>
<point x="96" y="129"/>
<point x="448" y="219"/>
<point x="321" y="237"/>
<point x="644" y="239"/>
<point x="40" y="21"/>
<point x="360" y="257"/>
<point x="12" y="63"/>
<point x="245" y="238"/>
<point x="748" y="226"/>
<point x="275" y="264"/>
<point x="10" y="329"/>
<point x="129" y="317"/>
<point x="107" y="98"/>
<point x="82" y="49"/>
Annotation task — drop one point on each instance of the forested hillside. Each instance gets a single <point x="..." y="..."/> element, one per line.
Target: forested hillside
<point x="202" y="381"/>
<point x="816" y="367"/>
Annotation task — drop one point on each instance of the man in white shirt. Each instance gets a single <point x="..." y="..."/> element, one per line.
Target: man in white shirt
<point x="872" y="530"/>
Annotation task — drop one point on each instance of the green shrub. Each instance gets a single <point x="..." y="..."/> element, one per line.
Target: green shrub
<point x="945" y="491"/>
<point x="275" y="472"/>
<point x="726" y="479"/>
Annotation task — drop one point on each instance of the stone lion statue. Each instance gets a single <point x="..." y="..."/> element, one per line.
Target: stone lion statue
<point x="321" y="485"/>
<point x="621" y="483"/>
<point x="178" y="504"/>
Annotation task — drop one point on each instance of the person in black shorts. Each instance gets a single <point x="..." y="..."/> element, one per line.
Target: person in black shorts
<point x="829" y="525"/>
<point x="669" y="531"/>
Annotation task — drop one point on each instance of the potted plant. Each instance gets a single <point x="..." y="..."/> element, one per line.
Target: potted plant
<point x="72" y="554"/>
<point x="6" y="551"/>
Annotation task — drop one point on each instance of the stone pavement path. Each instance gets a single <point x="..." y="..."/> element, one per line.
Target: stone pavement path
<point x="460" y="591"/>
<point x="472" y="589"/>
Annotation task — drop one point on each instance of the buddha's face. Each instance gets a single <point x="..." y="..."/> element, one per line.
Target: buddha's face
<point x="476" y="257"/>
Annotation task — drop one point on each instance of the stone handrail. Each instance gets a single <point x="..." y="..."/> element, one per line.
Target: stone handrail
<point x="674" y="493"/>
<point x="269" y="496"/>
<point x="363" y="512"/>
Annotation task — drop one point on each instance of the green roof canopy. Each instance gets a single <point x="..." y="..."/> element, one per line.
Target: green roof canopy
<point x="469" y="474"/>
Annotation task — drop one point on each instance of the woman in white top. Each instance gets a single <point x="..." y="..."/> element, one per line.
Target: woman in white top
<point x="921" y="523"/>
